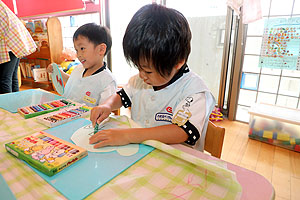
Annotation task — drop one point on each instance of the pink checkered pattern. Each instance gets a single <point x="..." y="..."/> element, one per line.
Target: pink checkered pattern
<point x="165" y="173"/>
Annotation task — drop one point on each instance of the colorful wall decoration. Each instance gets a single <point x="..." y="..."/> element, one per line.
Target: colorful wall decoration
<point x="281" y="44"/>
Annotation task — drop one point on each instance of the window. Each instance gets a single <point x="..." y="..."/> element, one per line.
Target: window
<point x="207" y="21"/>
<point x="275" y="86"/>
<point x="121" y="13"/>
<point x="70" y="24"/>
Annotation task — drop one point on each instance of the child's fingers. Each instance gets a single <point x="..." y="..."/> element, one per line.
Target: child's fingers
<point x="102" y="144"/>
<point x="108" y="137"/>
<point x="95" y="113"/>
<point x="97" y="137"/>
<point x="50" y="68"/>
<point x="93" y="120"/>
<point x="98" y="115"/>
<point x="101" y="118"/>
<point x="100" y="140"/>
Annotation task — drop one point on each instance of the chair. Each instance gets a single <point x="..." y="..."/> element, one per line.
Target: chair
<point x="214" y="139"/>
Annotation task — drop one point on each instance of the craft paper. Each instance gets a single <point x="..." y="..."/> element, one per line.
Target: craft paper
<point x="82" y="135"/>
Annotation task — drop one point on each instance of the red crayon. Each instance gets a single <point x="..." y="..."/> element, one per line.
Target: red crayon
<point x="23" y="110"/>
<point x="40" y="106"/>
<point x="60" y="103"/>
<point x="66" y="115"/>
<point x="53" y="105"/>
<point x="62" y="116"/>
<point x="71" y="113"/>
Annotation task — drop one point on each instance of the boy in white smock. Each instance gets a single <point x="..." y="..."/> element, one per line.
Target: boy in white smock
<point x="170" y="102"/>
<point x="91" y="82"/>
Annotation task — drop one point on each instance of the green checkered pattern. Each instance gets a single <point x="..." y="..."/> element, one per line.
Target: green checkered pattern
<point x="165" y="173"/>
<point x="14" y="125"/>
<point x="22" y="180"/>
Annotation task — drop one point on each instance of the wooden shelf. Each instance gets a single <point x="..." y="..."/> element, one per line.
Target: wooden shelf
<point x="32" y="81"/>
<point x="49" y="52"/>
<point x="27" y="79"/>
<point x="42" y="84"/>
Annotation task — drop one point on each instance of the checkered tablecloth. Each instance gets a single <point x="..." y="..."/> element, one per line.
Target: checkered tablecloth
<point x="22" y="180"/>
<point x="165" y="173"/>
<point x="13" y="125"/>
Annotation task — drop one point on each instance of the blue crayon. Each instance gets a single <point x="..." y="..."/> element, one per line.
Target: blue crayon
<point x="32" y="108"/>
<point x="37" y="108"/>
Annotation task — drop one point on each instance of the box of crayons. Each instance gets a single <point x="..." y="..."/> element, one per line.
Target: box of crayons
<point x="46" y="152"/>
<point x="43" y="108"/>
<point x="64" y="115"/>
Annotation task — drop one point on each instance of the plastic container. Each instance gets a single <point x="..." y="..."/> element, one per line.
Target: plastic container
<point x="64" y="115"/>
<point x="275" y="125"/>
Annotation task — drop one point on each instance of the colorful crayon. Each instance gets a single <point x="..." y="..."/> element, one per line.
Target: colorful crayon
<point x="63" y="116"/>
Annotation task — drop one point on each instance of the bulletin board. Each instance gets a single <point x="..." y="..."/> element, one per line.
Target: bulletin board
<point x="281" y="44"/>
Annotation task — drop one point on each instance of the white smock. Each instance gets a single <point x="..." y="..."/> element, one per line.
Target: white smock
<point x="91" y="90"/>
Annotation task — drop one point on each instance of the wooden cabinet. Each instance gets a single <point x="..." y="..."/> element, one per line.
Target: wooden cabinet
<point x="50" y="46"/>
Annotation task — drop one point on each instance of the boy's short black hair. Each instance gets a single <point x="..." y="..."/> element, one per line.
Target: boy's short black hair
<point x="96" y="34"/>
<point x="159" y="35"/>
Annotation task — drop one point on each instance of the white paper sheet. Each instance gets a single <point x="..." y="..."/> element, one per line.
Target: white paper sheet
<point x="82" y="135"/>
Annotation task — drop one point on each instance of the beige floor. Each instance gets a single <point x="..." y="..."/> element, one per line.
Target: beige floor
<point x="28" y="85"/>
<point x="280" y="166"/>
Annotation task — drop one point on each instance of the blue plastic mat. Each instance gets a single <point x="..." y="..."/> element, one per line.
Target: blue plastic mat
<point x="5" y="192"/>
<point x="90" y="173"/>
<point x="12" y="101"/>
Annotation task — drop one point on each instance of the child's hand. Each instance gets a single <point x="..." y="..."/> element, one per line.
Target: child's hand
<point x="110" y="137"/>
<point x="50" y="68"/>
<point x="99" y="113"/>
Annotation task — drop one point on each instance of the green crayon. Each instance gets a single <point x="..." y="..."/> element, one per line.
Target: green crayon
<point x="96" y="128"/>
